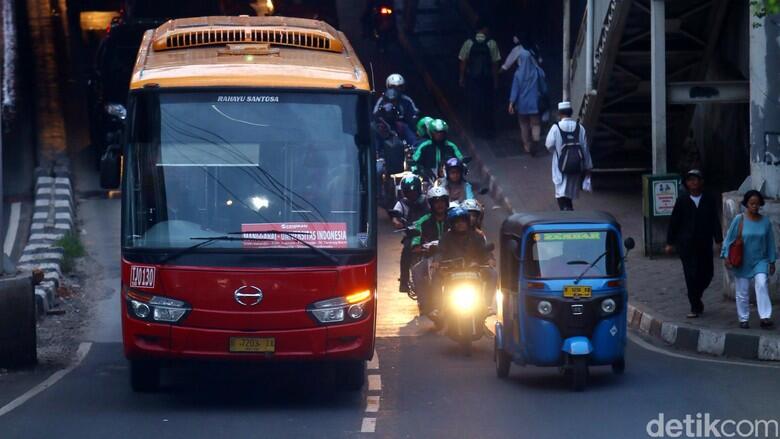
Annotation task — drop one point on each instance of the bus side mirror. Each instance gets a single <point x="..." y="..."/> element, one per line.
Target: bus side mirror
<point x="490" y="247"/>
<point x="111" y="167"/>
<point x="630" y="244"/>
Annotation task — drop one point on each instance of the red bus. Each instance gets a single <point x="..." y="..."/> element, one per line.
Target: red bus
<point x="248" y="214"/>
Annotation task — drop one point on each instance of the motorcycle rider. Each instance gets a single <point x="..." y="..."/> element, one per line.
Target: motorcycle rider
<point x="430" y="227"/>
<point x="463" y="241"/>
<point x="423" y="130"/>
<point x="409" y="209"/>
<point x="431" y="154"/>
<point x="459" y="189"/>
<point x="389" y="109"/>
<point x="476" y="212"/>
<point x="397" y="82"/>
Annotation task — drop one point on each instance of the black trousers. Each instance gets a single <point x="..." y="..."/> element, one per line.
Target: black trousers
<point x="565" y="203"/>
<point x="479" y="97"/>
<point x="406" y="265"/>
<point x="698" y="269"/>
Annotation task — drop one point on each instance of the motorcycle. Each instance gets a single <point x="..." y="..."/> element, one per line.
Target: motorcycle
<point x="463" y="307"/>
<point x="380" y="21"/>
<point x="391" y="164"/>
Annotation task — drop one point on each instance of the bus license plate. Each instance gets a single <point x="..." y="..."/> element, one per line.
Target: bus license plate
<point x="252" y="344"/>
<point x="577" y="292"/>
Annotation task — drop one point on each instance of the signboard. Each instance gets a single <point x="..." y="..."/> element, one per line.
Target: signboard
<point x="664" y="196"/>
<point x="322" y="235"/>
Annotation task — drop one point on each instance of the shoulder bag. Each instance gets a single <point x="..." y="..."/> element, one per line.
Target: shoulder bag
<point x="737" y="248"/>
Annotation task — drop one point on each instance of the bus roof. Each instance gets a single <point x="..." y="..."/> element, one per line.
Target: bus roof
<point x="247" y="52"/>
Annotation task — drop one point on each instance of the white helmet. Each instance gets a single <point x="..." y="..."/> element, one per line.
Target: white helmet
<point x="453" y="204"/>
<point x="472" y="205"/>
<point x="438" y="192"/>
<point x="395" y="80"/>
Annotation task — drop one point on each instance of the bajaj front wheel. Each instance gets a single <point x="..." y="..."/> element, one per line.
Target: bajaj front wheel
<point x="579" y="376"/>
<point x="144" y="376"/>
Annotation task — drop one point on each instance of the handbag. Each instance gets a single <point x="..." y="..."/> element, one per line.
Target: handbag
<point x="737" y="248"/>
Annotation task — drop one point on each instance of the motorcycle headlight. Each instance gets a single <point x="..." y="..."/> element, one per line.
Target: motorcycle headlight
<point x="544" y="308"/>
<point x="464" y="297"/>
<point x="156" y="308"/>
<point x="341" y="309"/>
<point x="608" y="306"/>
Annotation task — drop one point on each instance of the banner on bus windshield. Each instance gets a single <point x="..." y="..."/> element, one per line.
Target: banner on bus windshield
<point x="322" y="235"/>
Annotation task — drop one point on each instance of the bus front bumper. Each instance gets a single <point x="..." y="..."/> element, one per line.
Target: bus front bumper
<point x="349" y="341"/>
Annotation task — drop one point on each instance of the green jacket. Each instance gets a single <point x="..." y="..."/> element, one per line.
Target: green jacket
<point x="429" y="228"/>
<point x="431" y="155"/>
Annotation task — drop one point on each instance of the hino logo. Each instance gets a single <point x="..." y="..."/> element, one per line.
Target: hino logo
<point x="248" y="296"/>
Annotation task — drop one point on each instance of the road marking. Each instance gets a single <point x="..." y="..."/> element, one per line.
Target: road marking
<point x="52" y="380"/>
<point x="13" y="228"/>
<point x="374" y="383"/>
<point x="372" y="404"/>
<point x="651" y="347"/>
<point x="369" y="425"/>
<point x="374" y="363"/>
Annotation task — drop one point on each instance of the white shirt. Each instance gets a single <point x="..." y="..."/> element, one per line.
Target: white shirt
<point x="696" y="200"/>
<point x="554" y="144"/>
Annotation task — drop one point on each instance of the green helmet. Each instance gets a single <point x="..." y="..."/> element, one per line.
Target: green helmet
<point x="411" y="183"/>
<point x="422" y="126"/>
<point x="438" y="126"/>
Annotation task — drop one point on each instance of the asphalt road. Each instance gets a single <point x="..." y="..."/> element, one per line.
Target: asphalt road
<point x="425" y="388"/>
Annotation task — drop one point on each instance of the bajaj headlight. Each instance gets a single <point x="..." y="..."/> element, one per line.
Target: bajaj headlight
<point x="608" y="306"/>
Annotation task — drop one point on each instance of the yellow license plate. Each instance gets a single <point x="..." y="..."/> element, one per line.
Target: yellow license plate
<point x="252" y="344"/>
<point x="577" y="292"/>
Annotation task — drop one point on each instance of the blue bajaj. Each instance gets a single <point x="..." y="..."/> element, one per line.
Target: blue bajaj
<point x="563" y="299"/>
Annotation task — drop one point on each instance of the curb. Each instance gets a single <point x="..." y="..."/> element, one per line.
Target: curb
<point x="53" y="217"/>
<point x="700" y="340"/>
<point x="705" y="341"/>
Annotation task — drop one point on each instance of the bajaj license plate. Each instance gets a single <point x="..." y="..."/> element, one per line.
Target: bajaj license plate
<point x="252" y="344"/>
<point x="577" y="292"/>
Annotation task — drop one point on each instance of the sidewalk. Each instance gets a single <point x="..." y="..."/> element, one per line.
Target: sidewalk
<point x="658" y="302"/>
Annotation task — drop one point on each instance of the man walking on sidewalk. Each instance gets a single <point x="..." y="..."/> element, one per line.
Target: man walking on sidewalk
<point x="571" y="163"/>
<point x="479" y="58"/>
<point x="694" y="224"/>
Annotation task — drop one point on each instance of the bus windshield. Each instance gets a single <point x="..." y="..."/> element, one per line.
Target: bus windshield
<point x="566" y="255"/>
<point x="204" y="164"/>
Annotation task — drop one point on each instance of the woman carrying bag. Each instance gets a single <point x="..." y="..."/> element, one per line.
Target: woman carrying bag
<point x="749" y="252"/>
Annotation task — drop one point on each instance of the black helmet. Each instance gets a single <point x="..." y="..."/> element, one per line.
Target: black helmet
<point x="411" y="183"/>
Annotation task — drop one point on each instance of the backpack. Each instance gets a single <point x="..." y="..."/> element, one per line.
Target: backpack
<point x="479" y="64"/>
<point x="571" y="160"/>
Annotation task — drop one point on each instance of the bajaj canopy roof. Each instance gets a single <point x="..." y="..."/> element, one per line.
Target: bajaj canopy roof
<point x="517" y="224"/>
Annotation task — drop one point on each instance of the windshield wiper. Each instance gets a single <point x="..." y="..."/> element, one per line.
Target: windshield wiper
<point x="592" y="264"/>
<point x="316" y="249"/>
<point x="205" y="241"/>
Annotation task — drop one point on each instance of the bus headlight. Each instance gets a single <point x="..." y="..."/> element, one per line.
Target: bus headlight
<point x="341" y="309"/>
<point x="464" y="298"/>
<point x="156" y="308"/>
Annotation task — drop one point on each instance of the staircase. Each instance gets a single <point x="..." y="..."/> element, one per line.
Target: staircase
<point x="618" y="116"/>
